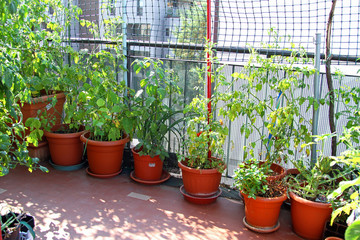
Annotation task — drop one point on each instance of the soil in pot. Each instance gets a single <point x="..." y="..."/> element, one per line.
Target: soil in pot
<point x="147" y="168"/>
<point x="308" y="217"/>
<point x="104" y="157"/>
<point x="200" y="182"/>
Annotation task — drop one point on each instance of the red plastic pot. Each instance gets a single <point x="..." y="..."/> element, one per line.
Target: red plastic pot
<point x="66" y="149"/>
<point x="105" y="157"/>
<point x="308" y="217"/>
<point x="200" y="182"/>
<point x="263" y="212"/>
<point x="147" y="168"/>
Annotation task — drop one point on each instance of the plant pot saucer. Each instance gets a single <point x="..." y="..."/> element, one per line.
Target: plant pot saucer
<point x="261" y="229"/>
<point x="164" y="177"/>
<point x="200" y="200"/>
<point x="102" y="175"/>
<point x="68" y="168"/>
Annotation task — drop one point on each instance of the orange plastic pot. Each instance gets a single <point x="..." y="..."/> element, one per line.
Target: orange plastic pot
<point x="200" y="182"/>
<point x="105" y="157"/>
<point x="66" y="149"/>
<point x="147" y="168"/>
<point x="308" y="217"/>
<point x="279" y="171"/>
<point x="263" y="212"/>
<point x="30" y="110"/>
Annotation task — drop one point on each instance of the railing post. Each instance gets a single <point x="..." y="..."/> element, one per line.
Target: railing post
<point x="316" y="94"/>
<point x="124" y="40"/>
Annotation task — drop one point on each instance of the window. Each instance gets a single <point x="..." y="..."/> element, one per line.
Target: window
<point x="167" y="32"/>
<point x="172" y="8"/>
<point x="140" y="6"/>
<point x="138" y="31"/>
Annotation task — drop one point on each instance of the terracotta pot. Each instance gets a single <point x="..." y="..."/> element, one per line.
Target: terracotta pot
<point x="292" y="171"/>
<point x="147" y="168"/>
<point x="66" y="149"/>
<point x="200" y="182"/>
<point x="279" y="171"/>
<point x="105" y="157"/>
<point x="44" y="103"/>
<point x="337" y="229"/>
<point x="333" y="238"/>
<point x="41" y="151"/>
<point x="263" y="212"/>
<point x="308" y="217"/>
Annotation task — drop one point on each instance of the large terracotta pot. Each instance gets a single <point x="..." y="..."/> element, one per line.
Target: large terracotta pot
<point x="147" y="168"/>
<point x="263" y="212"/>
<point x="308" y="217"/>
<point x="30" y="110"/>
<point x="105" y="157"/>
<point x="66" y="149"/>
<point x="200" y="182"/>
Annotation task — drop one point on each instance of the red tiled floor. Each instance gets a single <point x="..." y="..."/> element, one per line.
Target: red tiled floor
<point x="73" y="205"/>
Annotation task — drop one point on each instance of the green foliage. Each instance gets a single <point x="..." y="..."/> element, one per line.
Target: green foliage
<point x="155" y="117"/>
<point x="251" y="178"/>
<point x="349" y="97"/>
<point x="106" y="101"/>
<point x="279" y="112"/>
<point x="316" y="182"/>
<point x="30" y="56"/>
<point x="345" y="198"/>
<point x="353" y="231"/>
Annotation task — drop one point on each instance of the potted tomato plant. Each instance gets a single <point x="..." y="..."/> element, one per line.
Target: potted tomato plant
<point x="108" y="117"/>
<point x="201" y="158"/>
<point x="66" y="149"/>
<point x="41" y="59"/>
<point x="155" y="119"/>
<point x="263" y="195"/>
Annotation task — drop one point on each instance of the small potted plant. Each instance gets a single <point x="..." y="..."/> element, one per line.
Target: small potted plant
<point x="13" y="225"/>
<point x="308" y="191"/>
<point x="201" y="157"/>
<point x="155" y="119"/>
<point x="108" y="117"/>
<point x="262" y="195"/>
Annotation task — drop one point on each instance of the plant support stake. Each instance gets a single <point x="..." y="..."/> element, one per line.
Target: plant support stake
<point x="208" y="38"/>
<point x="328" y="57"/>
<point x="316" y="94"/>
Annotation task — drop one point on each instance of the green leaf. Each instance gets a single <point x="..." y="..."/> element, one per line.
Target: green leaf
<point x="353" y="231"/>
<point x="116" y="109"/>
<point x="100" y="102"/>
<point x="149" y="101"/>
